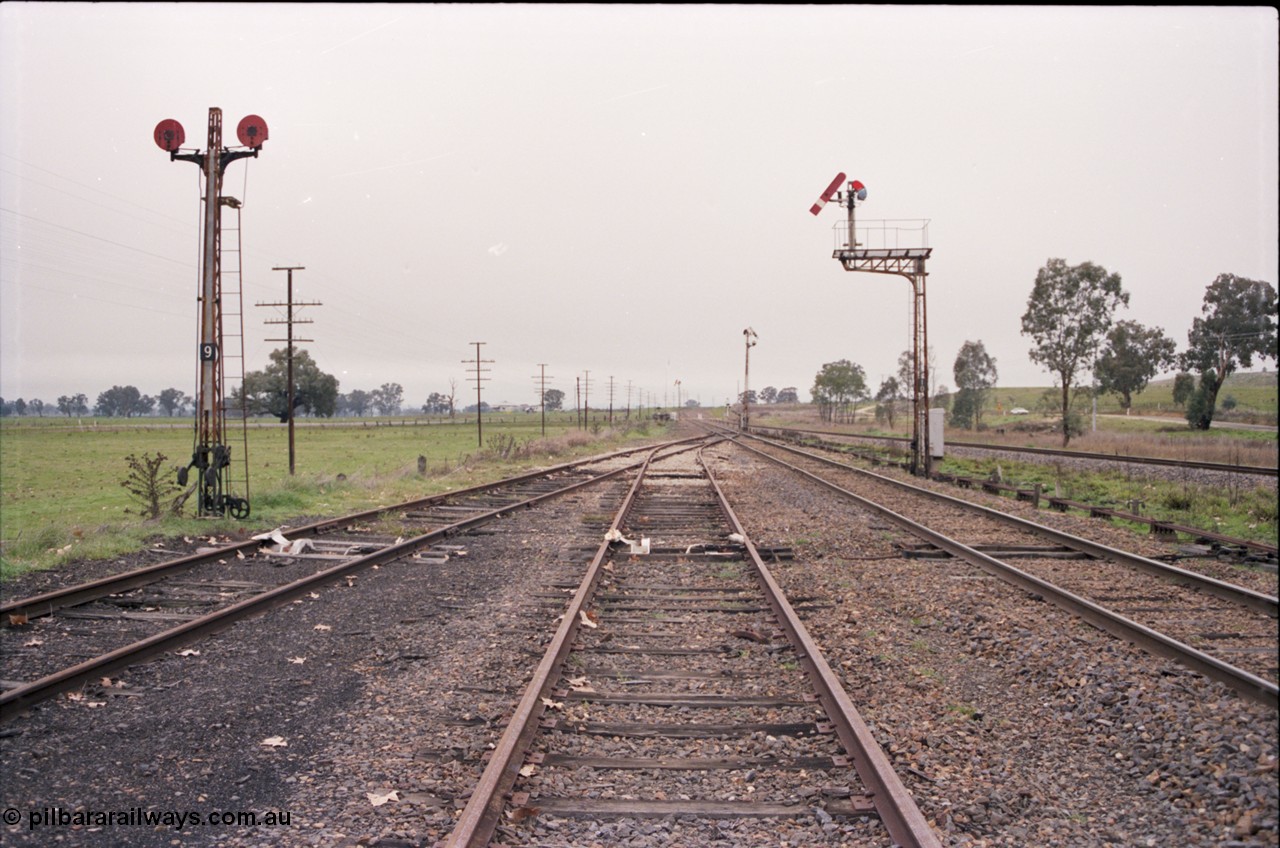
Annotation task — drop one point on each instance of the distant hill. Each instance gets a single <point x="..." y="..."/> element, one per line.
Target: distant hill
<point x="1240" y="379"/>
<point x="1253" y="394"/>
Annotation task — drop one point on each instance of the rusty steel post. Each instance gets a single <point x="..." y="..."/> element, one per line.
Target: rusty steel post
<point x="208" y="404"/>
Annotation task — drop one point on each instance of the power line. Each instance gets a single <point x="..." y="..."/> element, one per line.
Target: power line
<point x="92" y="236"/>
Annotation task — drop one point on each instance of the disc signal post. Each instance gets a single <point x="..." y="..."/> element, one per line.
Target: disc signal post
<point x="211" y="455"/>
<point x="908" y="262"/>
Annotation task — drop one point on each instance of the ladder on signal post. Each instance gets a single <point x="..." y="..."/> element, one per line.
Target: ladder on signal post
<point x="231" y="362"/>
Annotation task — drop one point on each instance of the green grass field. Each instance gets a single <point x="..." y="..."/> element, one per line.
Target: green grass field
<point x="61" y="493"/>
<point x="1254" y="395"/>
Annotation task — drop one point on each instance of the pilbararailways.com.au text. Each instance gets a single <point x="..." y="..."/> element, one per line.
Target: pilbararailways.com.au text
<point x="55" y="817"/>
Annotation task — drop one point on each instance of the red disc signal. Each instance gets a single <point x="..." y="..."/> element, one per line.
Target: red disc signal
<point x="252" y="131"/>
<point x="169" y="135"/>
<point x="858" y="190"/>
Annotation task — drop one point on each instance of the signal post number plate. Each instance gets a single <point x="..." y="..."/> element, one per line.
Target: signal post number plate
<point x="208" y="352"/>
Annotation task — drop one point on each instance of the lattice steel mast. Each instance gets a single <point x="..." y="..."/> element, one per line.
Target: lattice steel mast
<point x="210" y="455"/>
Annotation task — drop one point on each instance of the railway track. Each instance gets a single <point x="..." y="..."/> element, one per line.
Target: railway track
<point x="1227" y="468"/>
<point x="55" y="642"/>
<point x="1223" y="631"/>
<point x="681" y="682"/>
<point x="1214" y="544"/>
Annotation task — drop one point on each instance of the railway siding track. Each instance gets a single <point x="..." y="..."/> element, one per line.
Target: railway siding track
<point x="680" y="682"/>
<point x="1216" y="544"/>
<point x="129" y="610"/>
<point x="1235" y="626"/>
<point x="1261" y="471"/>
<point x="22" y="610"/>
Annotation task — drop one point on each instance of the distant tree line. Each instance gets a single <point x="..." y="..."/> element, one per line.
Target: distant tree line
<point x="1070" y="318"/>
<point x="115" y="402"/>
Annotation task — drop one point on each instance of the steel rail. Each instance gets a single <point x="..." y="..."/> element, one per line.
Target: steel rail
<point x="480" y="817"/>
<point x="15" y="700"/>
<point x="1267" y="604"/>
<point x="1069" y="454"/>
<point x="894" y="804"/>
<point x="1248" y="685"/>
<point x="1062" y="503"/>
<point x="50" y="602"/>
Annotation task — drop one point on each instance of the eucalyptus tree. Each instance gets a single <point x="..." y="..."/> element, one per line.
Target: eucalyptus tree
<point x="1238" y="323"/>
<point x="1132" y="356"/>
<point x="1068" y="315"/>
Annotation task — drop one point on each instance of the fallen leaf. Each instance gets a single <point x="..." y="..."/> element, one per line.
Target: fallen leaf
<point x="275" y="742"/>
<point x="322" y="627"/>
<point x="239" y="554"/>
<point x="378" y="800"/>
<point x="528" y="770"/>
<point x="585" y="618"/>
<point x="17" y="619"/>
<point x="522" y="813"/>
<point x="750" y="635"/>
<point x="33" y="643"/>
<point x="189" y="652"/>
<point x="552" y="705"/>
<point x="297" y="660"/>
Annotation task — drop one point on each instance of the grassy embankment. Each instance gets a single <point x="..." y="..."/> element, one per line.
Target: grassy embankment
<point x="62" y="499"/>
<point x="1244" y="507"/>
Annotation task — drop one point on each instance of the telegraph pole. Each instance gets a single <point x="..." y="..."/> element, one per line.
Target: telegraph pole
<point x="479" y="378"/>
<point x="542" y="395"/>
<point x="289" y="321"/>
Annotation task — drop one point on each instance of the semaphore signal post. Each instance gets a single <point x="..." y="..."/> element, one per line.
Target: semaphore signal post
<point x="892" y="247"/>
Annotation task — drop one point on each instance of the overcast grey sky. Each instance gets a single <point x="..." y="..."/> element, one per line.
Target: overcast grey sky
<point x="616" y="189"/>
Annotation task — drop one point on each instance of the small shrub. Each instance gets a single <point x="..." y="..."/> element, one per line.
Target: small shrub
<point x="145" y="486"/>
